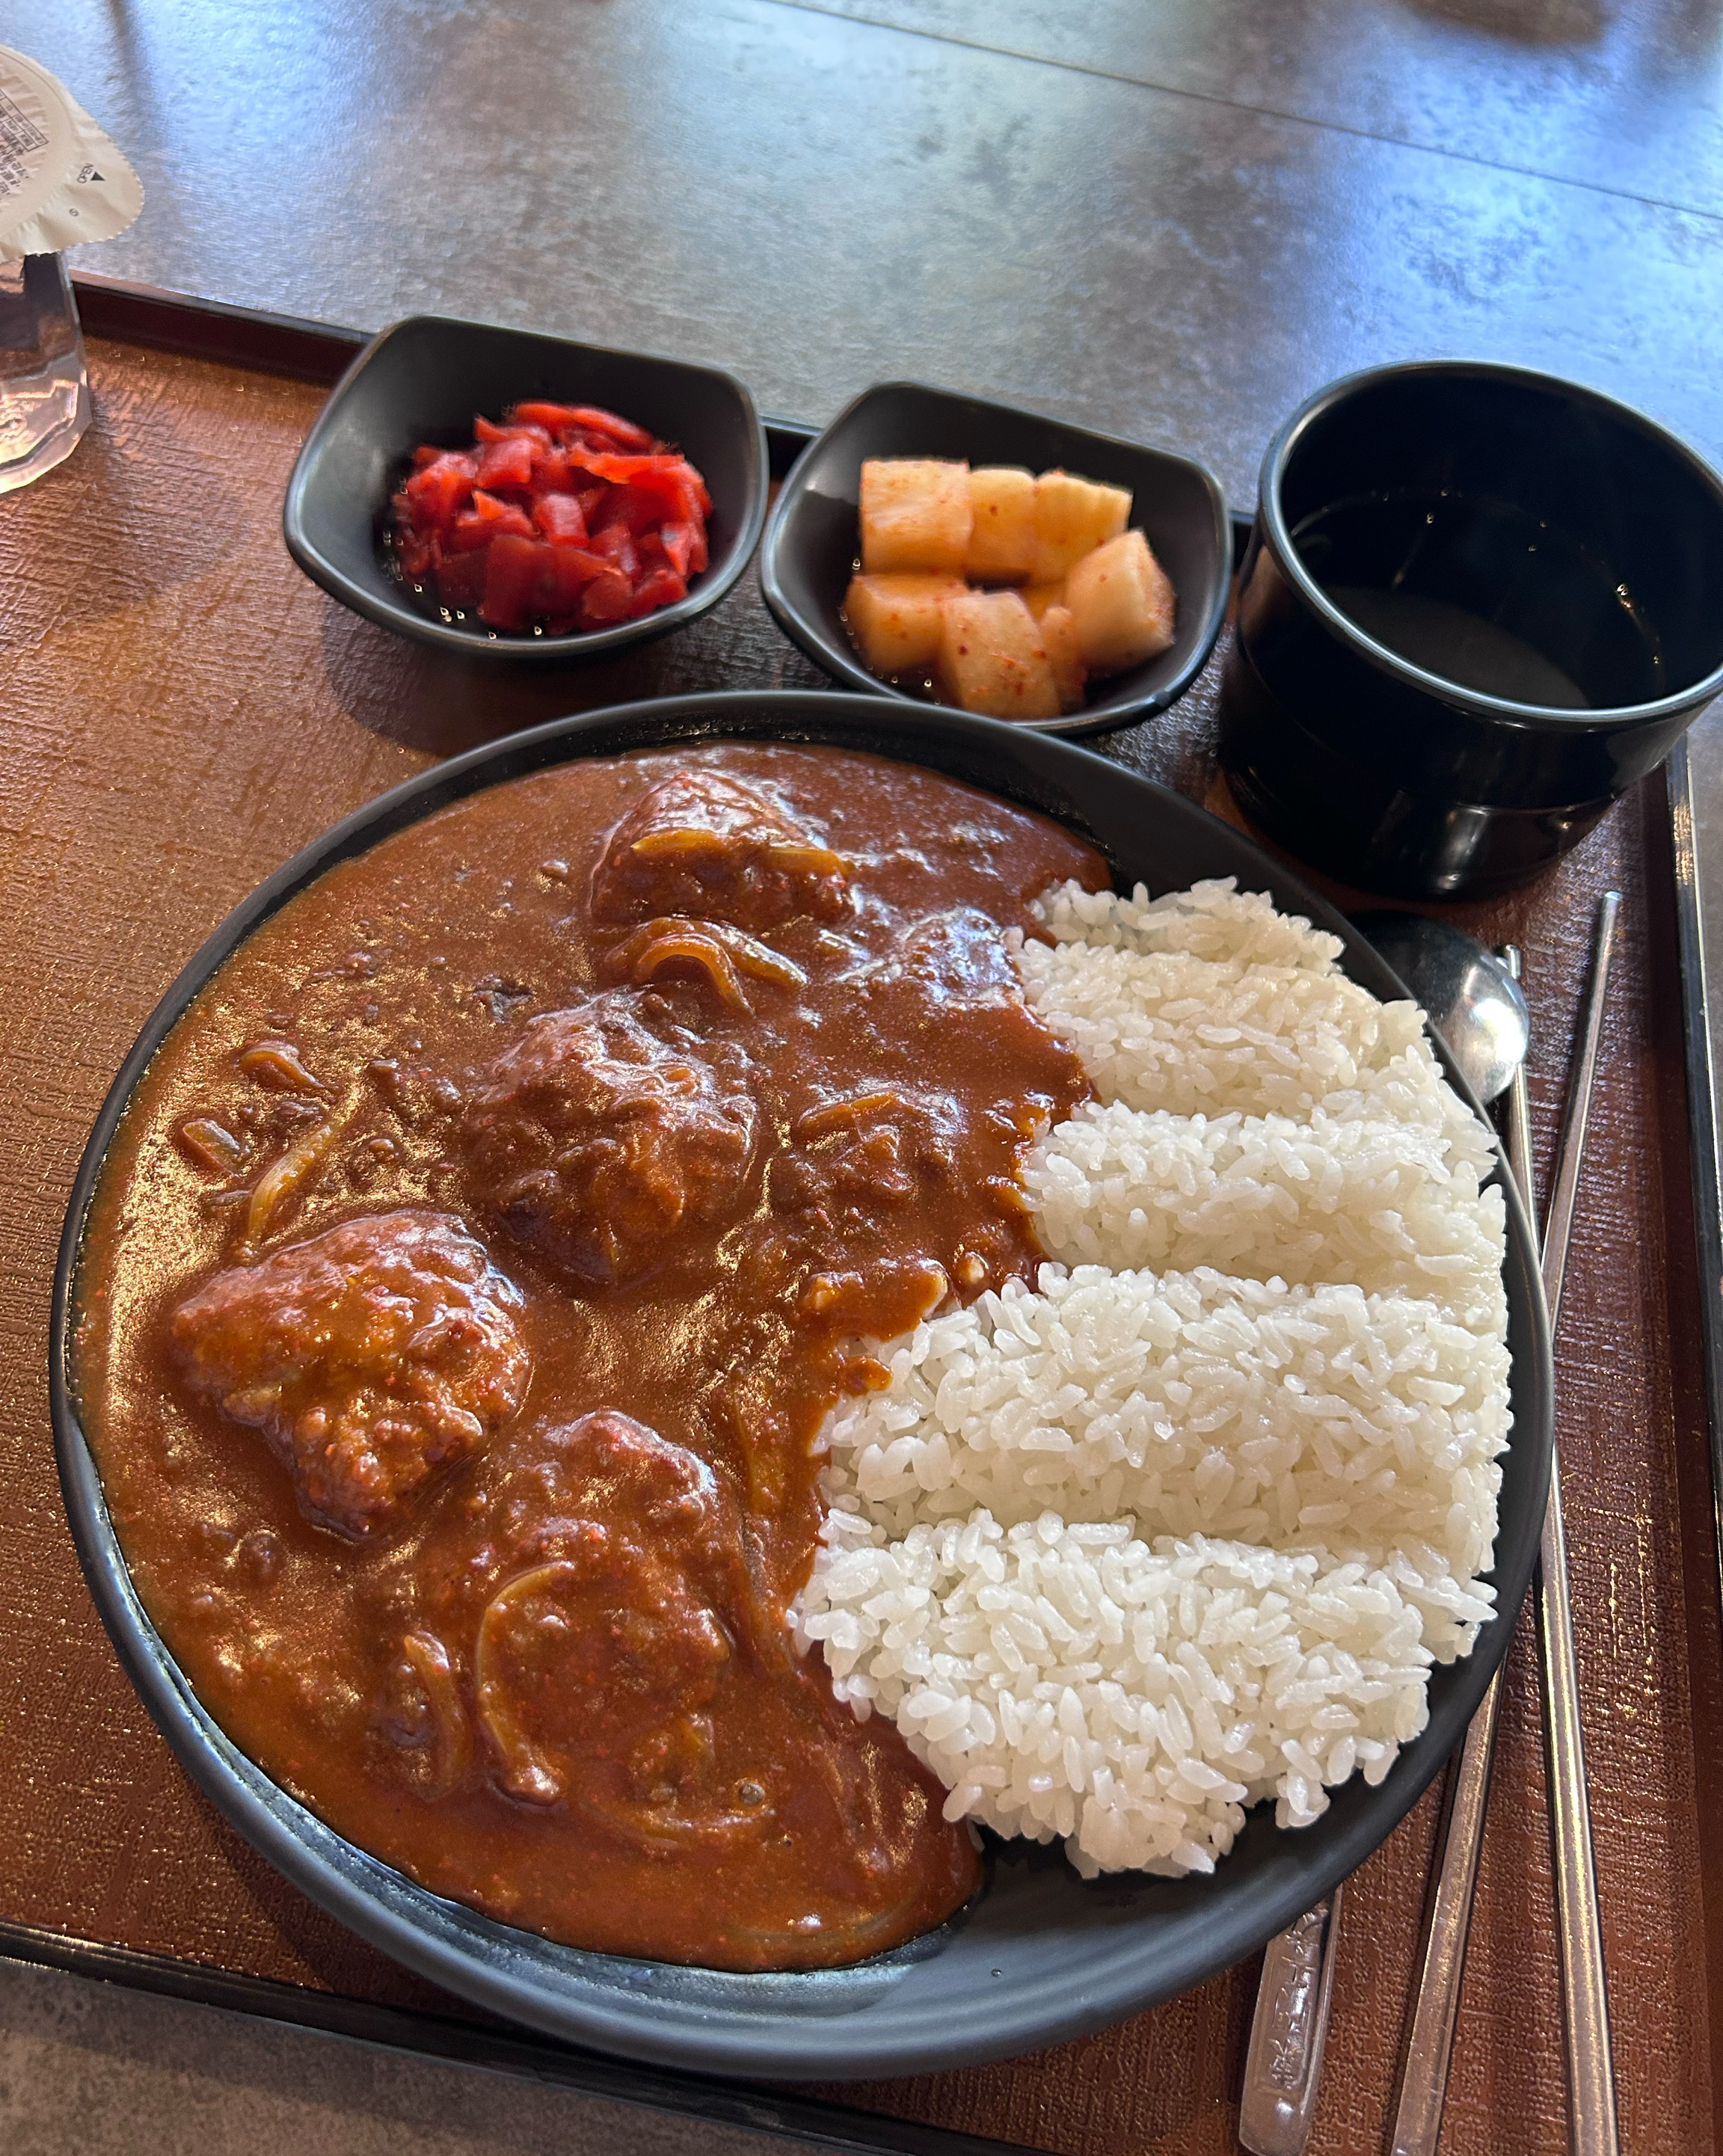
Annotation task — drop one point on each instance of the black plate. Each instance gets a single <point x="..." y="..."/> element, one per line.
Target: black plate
<point x="423" y="380"/>
<point x="812" y="540"/>
<point x="1042" y="1956"/>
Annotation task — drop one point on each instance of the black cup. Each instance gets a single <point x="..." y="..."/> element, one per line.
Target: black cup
<point x="1477" y="605"/>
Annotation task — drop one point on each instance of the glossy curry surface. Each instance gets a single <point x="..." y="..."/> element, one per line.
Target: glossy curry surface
<point x="469" y="1282"/>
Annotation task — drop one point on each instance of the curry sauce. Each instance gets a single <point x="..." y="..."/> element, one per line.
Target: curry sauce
<point x="467" y="1285"/>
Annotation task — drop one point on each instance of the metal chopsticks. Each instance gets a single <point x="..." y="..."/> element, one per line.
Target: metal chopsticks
<point x="1590" y="2077"/>
<point x="1591" y="2086"/>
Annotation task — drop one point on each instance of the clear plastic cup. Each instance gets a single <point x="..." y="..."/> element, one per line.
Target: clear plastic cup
<point x="44" y="390"/>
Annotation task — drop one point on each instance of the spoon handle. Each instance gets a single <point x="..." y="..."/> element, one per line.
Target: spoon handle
<point x="1591" y="2087"/>
<point x="1282" y="2067"/>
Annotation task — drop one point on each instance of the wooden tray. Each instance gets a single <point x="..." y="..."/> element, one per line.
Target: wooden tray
<point x="182" y="712"/>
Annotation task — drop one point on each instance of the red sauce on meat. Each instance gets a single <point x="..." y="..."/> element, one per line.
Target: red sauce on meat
<point x="468" y="1283"/>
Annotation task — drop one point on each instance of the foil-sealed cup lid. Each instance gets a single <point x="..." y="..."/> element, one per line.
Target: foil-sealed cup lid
<point x="62" y="182"/>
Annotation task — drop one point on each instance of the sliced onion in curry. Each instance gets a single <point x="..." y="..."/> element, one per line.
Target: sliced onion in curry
<point x="525" y="1773"/>
<point x="842" y="1115"/>
<point x="278" y="1065"/>
<point x="673" y="936"/>
<point x="649" y="1828"/>
<point x="692" y="843"/>
<point x="429" y="1660"/>
<point x="284" y="1176"/>
<point x="669" y="942"/>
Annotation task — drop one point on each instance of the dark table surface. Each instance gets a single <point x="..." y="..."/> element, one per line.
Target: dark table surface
<point x="1171" y="220"/>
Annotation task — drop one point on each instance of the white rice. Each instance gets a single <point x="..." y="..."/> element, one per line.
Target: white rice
<point x="1285" y="1418"/>
<point x="1186" y="1525"/>
<point x="1211" y="920"/>
<point x="1391" y="1207"/>
<point x="1166" y="1012"/>
<point x="1073" y="1680"/>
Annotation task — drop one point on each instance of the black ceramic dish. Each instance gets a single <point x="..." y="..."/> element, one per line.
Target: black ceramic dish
<point x="1548" y="565"/>
<point x="812" y="541"/>
<point x="1041" y="1957"/>
<point x="423" y="380"/>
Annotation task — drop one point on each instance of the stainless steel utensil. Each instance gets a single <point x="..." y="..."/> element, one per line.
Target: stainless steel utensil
<point x="1442" y="1951"/>
<point x="1470" y="997"/>
<point x="1591" y="2086"/>
<point x="1474" y="1002"/>
<point x="1591" y="2076"/>
<point x="1283" y="2067"/>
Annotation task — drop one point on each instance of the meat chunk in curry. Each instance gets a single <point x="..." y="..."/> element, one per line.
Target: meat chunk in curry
<point x="596" y="1138"/>
<point x="371" y="1358"/>
<point x="705" y="843"/>
<point x="616" y="1598"/>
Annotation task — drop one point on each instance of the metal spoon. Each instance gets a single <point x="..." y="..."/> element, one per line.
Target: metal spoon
<point x="1590" y="2077"/>
<point x="1477" y="1006"/>
<point x="1466" y="993"/>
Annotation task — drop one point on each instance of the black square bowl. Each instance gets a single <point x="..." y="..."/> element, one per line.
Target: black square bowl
<point x="813" y="542"/>
<point x="425" y="380"/>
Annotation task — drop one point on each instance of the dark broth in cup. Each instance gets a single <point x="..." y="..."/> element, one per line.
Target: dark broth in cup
<point x="1481" y="593"/>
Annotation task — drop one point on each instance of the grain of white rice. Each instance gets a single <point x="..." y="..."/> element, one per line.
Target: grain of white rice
<point x="1185" y="1525"/>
